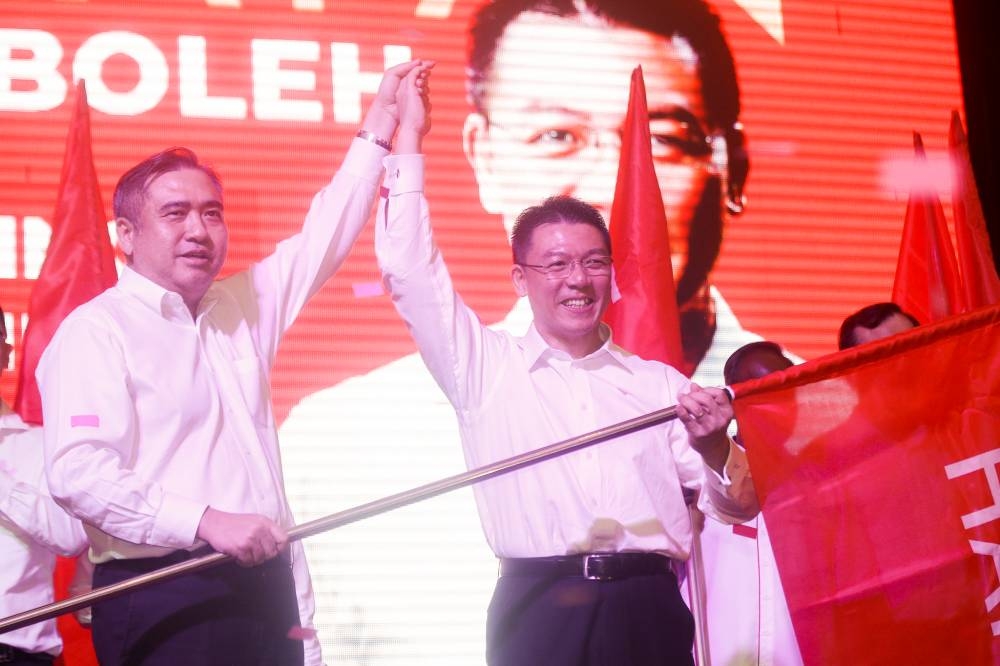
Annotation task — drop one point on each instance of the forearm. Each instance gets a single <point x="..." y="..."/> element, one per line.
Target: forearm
<point x="89" y="481"/>
<point x="448" y="334"/>
<point x="730" y="497"/>
<point x="28" y="508"/>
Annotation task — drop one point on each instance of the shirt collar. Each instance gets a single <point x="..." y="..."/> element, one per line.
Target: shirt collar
<point x="538" y="351"/>
<point x="168" y="304"/>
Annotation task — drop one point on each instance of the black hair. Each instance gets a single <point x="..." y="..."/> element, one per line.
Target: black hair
<point x="731" y="371"/>
<point x="692" y="20"/>
<point x="130" y="192"/>
<point x="554" y="209"/>
<point x="870" y="316"/>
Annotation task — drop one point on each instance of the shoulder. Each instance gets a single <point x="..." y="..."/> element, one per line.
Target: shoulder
<point x="655" y="372"/>
<point x="94" y="323"/>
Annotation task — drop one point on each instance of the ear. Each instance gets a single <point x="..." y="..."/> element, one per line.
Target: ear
<point x="478" y="148"/>
<point x="518" y="278"/>
<point x="125" y="229"/>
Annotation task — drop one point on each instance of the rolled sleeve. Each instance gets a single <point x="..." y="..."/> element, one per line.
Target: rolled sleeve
<point x="730" y="496"/>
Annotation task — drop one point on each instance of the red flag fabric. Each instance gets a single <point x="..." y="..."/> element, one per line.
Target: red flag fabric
<point x="877" y="469"/>
<point x="79" y="263"/>
<point x="644" y="319"/>
<point x="927" y="283"/>
<point x="980" y="283"/>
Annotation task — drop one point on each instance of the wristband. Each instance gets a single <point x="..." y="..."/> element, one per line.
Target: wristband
<point x="374" y="138"/>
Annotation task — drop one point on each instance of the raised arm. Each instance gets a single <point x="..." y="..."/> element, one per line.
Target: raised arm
<point x="451" y="339"/>
<point x="282" y="283"/>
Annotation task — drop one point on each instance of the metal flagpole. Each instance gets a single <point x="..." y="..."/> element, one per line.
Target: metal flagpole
<point x="696" y="588"/>
<point x="347" y="516"/>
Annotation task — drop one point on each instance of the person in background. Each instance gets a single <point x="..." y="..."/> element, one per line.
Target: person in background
<point x="33" y="530"/>
<point x="874" y="322"/>
<point x="747" y="618"/>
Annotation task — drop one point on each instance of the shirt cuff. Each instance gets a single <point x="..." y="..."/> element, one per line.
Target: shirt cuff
<point x="734" y="467"/>
<point x="176" y="524"/>
<point x="404" y="173"/>
<point x="363" y="159"/>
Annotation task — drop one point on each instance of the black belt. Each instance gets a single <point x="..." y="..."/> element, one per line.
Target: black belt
<point x="10" y="654"/>
<point x="593" y="566"/>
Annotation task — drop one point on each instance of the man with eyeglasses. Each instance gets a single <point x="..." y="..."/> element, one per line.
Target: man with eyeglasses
<point x="548" y="86"/>
<point x="33" y="530"/>
<point x="588" y="541"/>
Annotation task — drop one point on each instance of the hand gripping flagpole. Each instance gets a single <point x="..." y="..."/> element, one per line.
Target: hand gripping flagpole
<point x="348" y="516"/>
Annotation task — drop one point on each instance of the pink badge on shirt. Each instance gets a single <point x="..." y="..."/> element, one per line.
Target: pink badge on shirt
<point x="84" y="421"/>
<point x="301" y="633"/>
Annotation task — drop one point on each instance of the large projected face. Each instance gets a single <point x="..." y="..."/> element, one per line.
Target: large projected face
<point x="553" y="111"/>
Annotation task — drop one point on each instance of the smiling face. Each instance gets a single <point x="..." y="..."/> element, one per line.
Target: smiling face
<point x="554" y="108"/>
<point x="568" y="309"/>
<point x="180" y="239"/>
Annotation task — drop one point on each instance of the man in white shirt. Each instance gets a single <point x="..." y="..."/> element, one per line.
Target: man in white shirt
<point x="33" y="530"/>
<point x="548" y="84"/>
<point x="587" y="541"/>
<point x="159" y="431"/>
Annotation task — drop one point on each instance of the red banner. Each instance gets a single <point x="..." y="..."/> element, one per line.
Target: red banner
<point x="927" y="282"/>
<point x="645" y="319"/>
<point x="878" y="475"/>
<point x="79" y="263"/>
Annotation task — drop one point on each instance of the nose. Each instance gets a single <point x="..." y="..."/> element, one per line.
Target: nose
<point x="599" y="172"/>
<point x="577" y="275"/>
<point x="195" y="229"/>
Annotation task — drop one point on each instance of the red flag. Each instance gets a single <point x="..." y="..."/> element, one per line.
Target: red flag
<point x="877" y="471"/>
<point x="979" y="274"/>
<point x="79" y="263"/>
<point x="927" y="283"/>
<point x="645" y="319"/>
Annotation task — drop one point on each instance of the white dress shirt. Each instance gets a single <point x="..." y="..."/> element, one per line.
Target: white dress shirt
<point x="33" y="530"/>
<point x="748" y="619"/>
<point x="513" y="394"/>
<point x="152" y="415"/>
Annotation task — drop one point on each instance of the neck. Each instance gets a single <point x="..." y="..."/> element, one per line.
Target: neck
<point x="575" y="347"/>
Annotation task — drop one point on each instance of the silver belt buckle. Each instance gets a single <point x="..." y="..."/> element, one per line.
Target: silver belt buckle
<point x="586" y="568"/>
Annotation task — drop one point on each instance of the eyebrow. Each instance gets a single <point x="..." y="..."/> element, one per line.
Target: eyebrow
<point x="592" y="252"/>
<point x="184" y="203"/>
<point x="675" y="112"/>
<point x="536" y="107"/>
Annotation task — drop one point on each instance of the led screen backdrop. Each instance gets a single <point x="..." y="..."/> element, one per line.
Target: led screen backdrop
<point x="270" y="91"/>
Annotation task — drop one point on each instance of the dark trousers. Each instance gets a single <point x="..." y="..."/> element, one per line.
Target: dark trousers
<point x="18" y="657"/>
<point x="226" y="614"/>
<point x="637" y="621"/>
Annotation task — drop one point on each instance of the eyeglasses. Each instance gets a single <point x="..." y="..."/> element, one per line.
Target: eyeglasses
<point x="563" y="268"/>
<point x="672" y="140"/>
